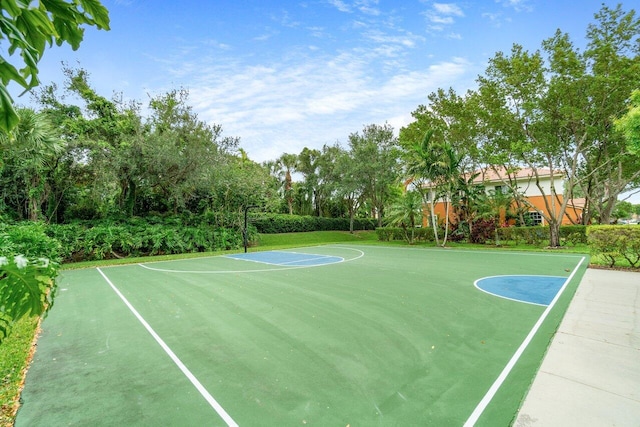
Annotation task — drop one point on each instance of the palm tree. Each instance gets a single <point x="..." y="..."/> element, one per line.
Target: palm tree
<point x="421" y="166"/>
<point x="405" y="213"/>
<point x="34" y="148"/>
<point x="492" y="206"/>
<point x="288" y="162"/>
<point x="439" y="165"/>
<point x="448" y="168"/>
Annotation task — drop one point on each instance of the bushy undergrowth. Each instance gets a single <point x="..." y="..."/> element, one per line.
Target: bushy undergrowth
<point x="387" y="234"/>
<point x="282" y="223"/>
<point x="570" y="235"/>
<point x="614" y="243"/>
<point x="484" y="231"/>
<point x="97" y="241"/>
<point x="28" y="267"/>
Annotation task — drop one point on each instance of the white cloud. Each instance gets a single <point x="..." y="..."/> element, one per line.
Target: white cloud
<point x="367" y="7"/>
<point x="442" y="14"/>
<point x="340" y="5"/>
<point x="496" y="19"/>
<point x="282" y="108"/>
<point x="447" y="9"/>
<point x="517" y="5"/>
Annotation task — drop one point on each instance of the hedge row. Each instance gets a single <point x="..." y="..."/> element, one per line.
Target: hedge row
<point x="386" y="234"/>
<point x="80" y="242"/>
<point x="96" y="240"/>
<point x="615" y="242"/>
<point x="282" y="223"/>
<point x="569" y="234"/>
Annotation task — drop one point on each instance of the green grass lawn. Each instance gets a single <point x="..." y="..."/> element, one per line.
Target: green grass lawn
<point x="15" y="351"/>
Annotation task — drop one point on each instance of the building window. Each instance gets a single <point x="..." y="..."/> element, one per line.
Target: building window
<point x="533" y="218"/>
<point x="501" y="189"/>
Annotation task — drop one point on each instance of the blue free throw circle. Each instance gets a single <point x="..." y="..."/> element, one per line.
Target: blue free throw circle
<point x="540" y="290"/>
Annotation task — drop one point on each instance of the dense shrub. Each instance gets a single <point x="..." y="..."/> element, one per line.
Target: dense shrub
<point x="28" y="239"/>
<point x="536" y="235"/>
<point x="104" y="240"/>
<point x="387" y="234"/>
<point x="615" y="242"/>
<point x="482" y="231"/>
<point x="282" y="223"/>
<point x="28" y="267"/>
<point x="573" y="234"/>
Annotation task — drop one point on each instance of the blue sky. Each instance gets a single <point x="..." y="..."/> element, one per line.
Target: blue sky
<point x="282" y="75"/>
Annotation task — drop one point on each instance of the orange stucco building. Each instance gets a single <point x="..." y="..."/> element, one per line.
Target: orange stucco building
<point x="537" y="197"/>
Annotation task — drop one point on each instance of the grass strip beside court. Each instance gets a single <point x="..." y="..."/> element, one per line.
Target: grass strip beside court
<point x="397" y="336"/>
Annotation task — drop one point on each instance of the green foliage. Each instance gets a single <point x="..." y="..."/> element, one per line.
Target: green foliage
<point x="386" y="234"/>
<point x="14" y="358"/>
<point x="28" y="27"/>
<point x="28" y="239"/>
<point x="139" y="237"/>
<point x="629" y="123"/>
<point x="622" y="209"/>
<point x="280" y="223"/>
<point x="573" y="234"/>
<point x="28" y="269"/>
<point x="615" y="243"/>
<point x="29" y="152"/>
<point x="375" y="165"/>
<point x="406" y="213"/>
<point x="570" y="235"/>
<point x="27" y="288"/>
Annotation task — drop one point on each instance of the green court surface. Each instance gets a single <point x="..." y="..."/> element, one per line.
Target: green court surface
<point x="321" y="336"/>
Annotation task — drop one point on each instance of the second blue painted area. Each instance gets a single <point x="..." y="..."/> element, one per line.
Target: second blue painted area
<point x="287" y="258"/>
<point x="531" y="289"/>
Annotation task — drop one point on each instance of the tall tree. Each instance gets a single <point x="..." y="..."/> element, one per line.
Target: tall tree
<point x="307" y="165"/>
<point x="30" y="152"/>
<point x="180" y="150"/>
<point x="629" y="123"/>
<point x="111" y="134"/>
<point x="28" y="28"/>
<point x="612" y="59"/>
<point x="512" y="94"/>
<point x="375" y="155"/>
<point x="287" y="164"/>
<point x="349" y="187"/>
<point x="406" y="213"/>
<point x="420" y="160"/>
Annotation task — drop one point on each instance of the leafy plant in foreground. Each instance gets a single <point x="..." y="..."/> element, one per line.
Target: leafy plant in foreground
<point x="27" y="288"/>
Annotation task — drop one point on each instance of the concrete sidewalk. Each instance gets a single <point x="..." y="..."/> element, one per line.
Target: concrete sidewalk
<point x="591" y="373"/>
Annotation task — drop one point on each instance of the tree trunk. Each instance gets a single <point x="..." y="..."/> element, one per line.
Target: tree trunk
<point x="433" y="217"/>
<point x="607" y="209"/>
<point x="287" y="191"/>
<point x="554" y="234"/>
<point x="33" y="205"/>
<point x="352" y="214"/>
<point x="446" y="224"/>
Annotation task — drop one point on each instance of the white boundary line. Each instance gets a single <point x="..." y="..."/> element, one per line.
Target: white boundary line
<point x="465" y="251"/>
<point x="262" y="270"/>
<point x="214" y="404"/>
<point x="475" y="283"/>
<point x="475" y="415"/>
<point x="284" y="264"/>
